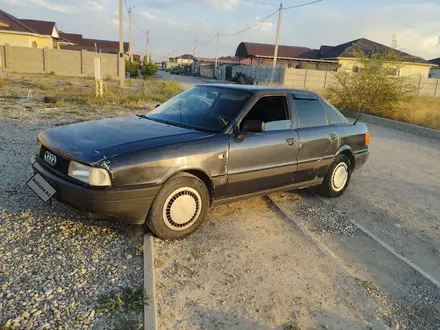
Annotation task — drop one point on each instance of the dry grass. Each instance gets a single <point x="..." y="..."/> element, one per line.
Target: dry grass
<point x="75" y="97"/>
<point x="416" y="110"/>
<point x="137" y="97"/>
<point x="423" y="111"/>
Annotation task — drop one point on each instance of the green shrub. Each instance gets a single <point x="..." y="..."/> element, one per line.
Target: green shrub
<point x="149" y="70"/>
<point x="375" y="89"/>
<point x="132" y="67"/>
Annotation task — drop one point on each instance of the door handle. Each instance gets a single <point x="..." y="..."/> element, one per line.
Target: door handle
<point x="333" y="136"/>
<point x="291" y="141"/>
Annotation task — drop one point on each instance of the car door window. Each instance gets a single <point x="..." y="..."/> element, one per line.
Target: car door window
<point x="310" y="113"/>
<point x="273" y="111"/>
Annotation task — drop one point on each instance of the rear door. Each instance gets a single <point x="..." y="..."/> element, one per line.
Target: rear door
<point x="266" y="160"/>
<point x="319" y="139"/>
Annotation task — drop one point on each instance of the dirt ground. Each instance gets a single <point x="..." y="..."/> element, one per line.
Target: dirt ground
<point x="250" y="268"/>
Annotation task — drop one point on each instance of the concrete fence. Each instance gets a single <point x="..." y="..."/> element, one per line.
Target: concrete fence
<point x="261" y="74"/>
<point x="318" y="80"/>
<point x="60" y="62"/>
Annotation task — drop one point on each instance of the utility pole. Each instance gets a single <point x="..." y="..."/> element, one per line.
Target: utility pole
<point x="130" y="46"/>
<point x="275" y="55"/>
<point x="195" y="48"/>
<point x="148" y="47"/>
<point x="121" y="46"/>
<point x="216" y="55"/>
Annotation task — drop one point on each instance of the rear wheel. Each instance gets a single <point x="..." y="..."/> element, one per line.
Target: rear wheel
<point x="337" y="177"/>
<point x="179" y="208"/>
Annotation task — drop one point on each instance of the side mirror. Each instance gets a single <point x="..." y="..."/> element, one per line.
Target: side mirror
<point x="253" y="126"/>
<point x="157" y="105"/>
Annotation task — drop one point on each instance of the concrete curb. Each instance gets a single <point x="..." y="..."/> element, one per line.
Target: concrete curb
<point x="410" y="128"/>
<point x="150" y="311"/>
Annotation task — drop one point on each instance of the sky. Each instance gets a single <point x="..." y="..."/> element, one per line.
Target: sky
<point x="175" y="24"/>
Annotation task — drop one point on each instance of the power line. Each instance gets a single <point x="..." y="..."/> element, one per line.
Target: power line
<point x="135" y="24"/>
<point x="304" y="31"/>
<point x="304" y="4"/>
<point x="206" y="43"/>
<point x="251" y="27"/>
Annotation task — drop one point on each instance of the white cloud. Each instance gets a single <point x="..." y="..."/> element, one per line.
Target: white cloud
<point x="223" y="4"/>
<point x="53" y="6"/>
<point x="150" y="16"/>
<point x="94" y="6"/>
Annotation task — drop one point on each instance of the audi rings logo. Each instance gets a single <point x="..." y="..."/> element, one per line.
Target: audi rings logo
<point x="50" y="158"/>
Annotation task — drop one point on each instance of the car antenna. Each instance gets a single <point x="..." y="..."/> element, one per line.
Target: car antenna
<point x="359" y="114"/>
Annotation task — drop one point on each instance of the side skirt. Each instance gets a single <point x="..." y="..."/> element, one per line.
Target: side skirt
<point x="295" y="186"/>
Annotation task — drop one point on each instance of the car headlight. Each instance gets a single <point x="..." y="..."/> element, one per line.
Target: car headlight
<point x="90" y="175"/>
<point x="38" y="148"/>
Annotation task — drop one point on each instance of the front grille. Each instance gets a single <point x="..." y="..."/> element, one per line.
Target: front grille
<point x="61" y="165"/>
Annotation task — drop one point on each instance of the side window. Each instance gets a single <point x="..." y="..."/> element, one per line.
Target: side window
<point x="333" y="113"/>
<point x="273" y="111"/>
<point x="310" y="113"/>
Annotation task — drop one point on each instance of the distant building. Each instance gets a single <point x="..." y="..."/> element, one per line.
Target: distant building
<point x="182" y="59"/>
<point x="73" y="41"/>
<point x="434" y="72"/>
<point x="345" y="55"/>
<point x="27" y="33"/>
<point x="330" y="58"/>
<point x="257" y="53"/>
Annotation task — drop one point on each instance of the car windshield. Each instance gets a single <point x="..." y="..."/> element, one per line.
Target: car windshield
<point x="202" y="108"/>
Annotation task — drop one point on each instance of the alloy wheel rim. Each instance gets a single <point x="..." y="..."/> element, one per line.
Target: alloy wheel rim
<point x="182" y="208"/>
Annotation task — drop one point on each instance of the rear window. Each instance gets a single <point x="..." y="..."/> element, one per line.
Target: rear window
<point x="333" y="113"/>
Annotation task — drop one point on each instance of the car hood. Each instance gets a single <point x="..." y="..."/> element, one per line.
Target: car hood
<point x="101" y="139"/>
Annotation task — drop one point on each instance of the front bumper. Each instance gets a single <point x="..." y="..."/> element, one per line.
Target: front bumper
<point x="128" y="205"/>
<point x="360" y="159"/>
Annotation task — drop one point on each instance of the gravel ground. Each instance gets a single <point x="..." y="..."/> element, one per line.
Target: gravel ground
<point x="402" y="295"/>
<point x="58" y="268"/>
<point x="396" y="195"/>
<point x="250" y="268"/>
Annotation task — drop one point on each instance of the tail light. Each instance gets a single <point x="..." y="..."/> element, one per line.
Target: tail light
<point x="367" y="138"/>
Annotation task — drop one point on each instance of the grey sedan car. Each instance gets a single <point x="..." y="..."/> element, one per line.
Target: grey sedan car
<point x="211" y="144"/>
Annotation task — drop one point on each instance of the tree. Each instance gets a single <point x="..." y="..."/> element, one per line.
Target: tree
<point x="149" y="70"/>
<point x="132" y="67"/>
<point x="376" y="87"/>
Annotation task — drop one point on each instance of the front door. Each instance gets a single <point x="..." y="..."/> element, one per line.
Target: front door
<point x="318" y="138"/>
<point x="266" y="160"/>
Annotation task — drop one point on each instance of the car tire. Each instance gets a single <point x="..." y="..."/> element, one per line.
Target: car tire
<point x="179" y="208"/>
<point x="337" y="178"/>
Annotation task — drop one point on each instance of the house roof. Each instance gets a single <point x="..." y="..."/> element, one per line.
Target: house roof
<point x="435" y="61"/>
<point x="71" y="37"/>
<point x="365" y="46"/>
<point x="42" y="27"/>
<point x="105" y="46"/>
<point x="251" y="49"/>
<point x="186" y="57"/>
<point x="11" y="23"/>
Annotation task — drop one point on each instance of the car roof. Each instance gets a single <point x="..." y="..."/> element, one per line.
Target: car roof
<point x="259" y="88"/>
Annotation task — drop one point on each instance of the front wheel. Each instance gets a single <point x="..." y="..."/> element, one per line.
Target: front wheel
<point x="179" y="208"/>
<point x="337" y="177"/>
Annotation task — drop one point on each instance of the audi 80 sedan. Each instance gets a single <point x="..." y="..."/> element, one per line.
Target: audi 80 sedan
<point x="211" y="144"/>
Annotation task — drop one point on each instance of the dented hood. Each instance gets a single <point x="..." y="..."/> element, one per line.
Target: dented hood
<point x="97" y="140"/>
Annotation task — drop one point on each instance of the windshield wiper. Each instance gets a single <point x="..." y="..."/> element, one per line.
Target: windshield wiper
<point x="142" y="116"/>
